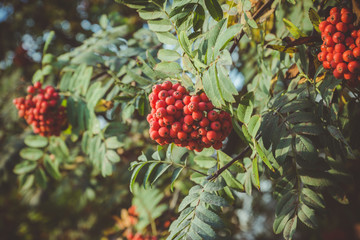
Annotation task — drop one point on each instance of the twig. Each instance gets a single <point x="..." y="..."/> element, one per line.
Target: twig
<point x="238" y="157"/>
<point x="256" y="16"/>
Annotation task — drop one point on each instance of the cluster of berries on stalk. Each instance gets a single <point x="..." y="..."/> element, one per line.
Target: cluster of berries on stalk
<point x="41" y="110"/>
<point x="188" y="121"/>
<point x="340" y="50"/>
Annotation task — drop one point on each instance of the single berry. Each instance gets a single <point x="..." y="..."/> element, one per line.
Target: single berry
<point x="166" y="85"/>
<point x="163" y="132"/>
<point x="216" y="126"/>
<point x="354" y="66"/>
<point x="197" y="116"/>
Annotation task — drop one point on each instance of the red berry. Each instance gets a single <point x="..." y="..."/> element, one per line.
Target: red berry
<point x="195" y="99"/>
<point x="204" y="122"/>
<point x="344" y="10"/>
<point x="154" y="125"/>
<point x="171" y="110"/>
<point x="175" y="86"/>
<point x="176" y="126"/>
<point x="341" y="27"/>
<point x="213" y="116"/>
<point x="353" y="34"/>
<point x="217" y="145"/>
<point x="337" y="74"/>
<point x="338" y="57"/>
<point x="179" y="104"/>
<point x="212" y="136"/>
<point x="357" y="42"/>
<point x="329" y="42"/>
<point x="182" y="89"/>
<point x="329" y="57"/>
<point x="163" y="132"/>
<point x="330" y="30"/>
<point x="348" y="56"/>
<point x="168" y="120"/>
<point x="182" y="136"/>
<point x="161" y="112"/>
<point x="349" y="76"/>
<point x="356" y="52"/>
<point x="202" y="106"/>
<point x="322" y="25"/>
<point x="349" y="41"/>
<point x="335" y="18"/>
<point x="177" y="95"/>
<point x="193" y="106"/>
<point x="341" y="68"/>
<point x="334" y="10"/>
<point x="188" y="119"/>
<point x="37" y="85"/>
<point x="154" y="135"/>
<point x="167" y="85"/>
<point x="216" y="126"/>
<point x="338" y="37"/>
<point x="170" y="100"/>
<point x="326" y="65"/>
<point x="186" y="99"/>
<point x="163" y="94"/>
<point x="186" y="110"/>
<point x="203" y="97"/>
<point x="354" y="66"/>
<point x="194" y="134"/>
<point x="322" y="56"/>
<point x="160" y="104"/>
<point x="202" y="131"/>
<point x="30" y="89"/>
<point x="197" y="116"/>
<point x="156" y="89"/>
<point x="339" y="48"/>
<point x="346" y="17"/>
<point x="186" y="128"/>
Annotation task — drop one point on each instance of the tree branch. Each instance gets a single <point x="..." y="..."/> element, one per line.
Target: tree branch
<point x="238" y="157"/>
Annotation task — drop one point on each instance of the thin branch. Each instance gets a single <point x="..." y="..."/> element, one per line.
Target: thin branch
<point x="256" y="16"/>
<point x="238" y="157"/>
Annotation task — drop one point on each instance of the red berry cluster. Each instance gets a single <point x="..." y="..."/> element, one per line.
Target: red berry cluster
<point x="188" y="121"/>
<point x="340" y="50"/>
<point x="40" y="109"/>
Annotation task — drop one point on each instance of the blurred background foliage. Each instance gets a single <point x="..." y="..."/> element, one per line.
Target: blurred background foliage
<point x="87" y="206"/>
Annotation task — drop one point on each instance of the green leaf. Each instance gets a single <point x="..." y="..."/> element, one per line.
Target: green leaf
<point x="40" y="178"/>
<point x="199" y="17"/>
<point x="163" y="25"/>
<point x="290" y="228"/>
<point x="280" y="222"/>
<point x="283" y="148"/>
<point x="214" y="9"/>
<point x="231" y="181"/>
<point x="263" y="157"/>
<point x="113" y="143"/>
<point x="204" y="161"/>
<point x="209" y="217"/>
<point x="24" y="167"/>
<point x="254" y="125"/>
<point x="134" y="175"/>
<point x="295" y="31"/>
<point x="32" y="154"/>
<point x="168" y="55"/>
<point x="256" y="173"/>
<point x="188" y="200"/>
<point x="210" y="83"/>
<point x="48" y="41"/>
<point x="167" y="38"/>
<point x="307" y="216"/>
<point x="148" y="173"/>
<point x="226" y="37"/>
<point x="245" y="108"/>
<point x="139" y="79"/>
<point x="213" y="199"/>
<point x="250" y="21"/>
<point x="51" y="167"/>
<point x="160" y="171"/>
<point x="315" y="178"/>
<point x="175" y="175"/>
<point x="227" y="87"/>
<point x="312" y="198"/>
<point x="305" y="148"/>
<point x="169" y="68"/>
<point x="203" y="229"/>
<point x="314" y="18"/>
<point x="151" y="15"/>
<point x="36" y="141"/>
<point x="112" y="156"/>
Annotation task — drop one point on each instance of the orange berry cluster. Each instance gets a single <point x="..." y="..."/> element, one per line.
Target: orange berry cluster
<point x="188" y="121"/>
<point x="340" y="50"/>
<point x="40" y="109"/>
<point x="133" y="215"/>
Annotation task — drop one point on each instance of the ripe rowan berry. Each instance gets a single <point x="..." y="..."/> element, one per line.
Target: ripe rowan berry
<point x="339" y="48"/>
<point x="188" y="119"/>
<point x="341" y="68"/>
<point x="163" y="132"/>
<point x="334" y="18"/>
<point x="354" y="66"/>
<point x="177" y="95"/>
<point x="341" y="27"/>
<point x="161" y="112"/>
<point x="329" y="30"/>
<point x="334" y="10"/>
<point x="197" y="116"/>
<point x="168" y="120"/>
<point x="170" y="100"/>
<point x="37" y="85"/>
<point x="337" y="74"/>
<point x="202" y="106"/>
<point x="182" y="136"/>
<point x="348" y="56"/>
<point x="160" y="104"/>
<point x="202" y="131"/>
<point x="154" y="135"/>
<point x="171" y="110"/>
<point x="182" y="89"/>
<point x="186" y="110"/>
<point x="163" y="94"/>
<point x="356" y="52"/>
<point x="156" y="89"/>
<point x="166" y="85"/>
<point x="212" y="136"/>
<point x="193" y="106"/>
<point x="176" y="126"/>
<point x="322" y="56"/>
<point x="216" y="126"/>
<point x="323" y="25"/>
<point x="338" y="37"/>
<point x="212" y="115"/>
<point x="204" y="122"/>
<point x="179" y="104"/>
<point x="346" y="17"/>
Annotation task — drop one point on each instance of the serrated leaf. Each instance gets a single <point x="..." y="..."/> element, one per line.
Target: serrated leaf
<point x="199" y="17"/>
<point x="148" y="173"/>
<point x="231" y="181"/>
<point x="167" y="38"/>
<point x="36" y="141"/>
<point x="169" y="68"/>
<point x="32" y="154"/>
<point x="256" y="173"/>
<point x="185" y="43"/>
<point x="209" y="217"/>
<point x="215" y="186"/>
<point x="245" y="108"/>
<point x="139" y="79"/>
<point x="263" y="157"/>
<point x="305" y="148"/>
<point x="213" y="199"/>
<point x="280" y="222"/>
<point x="205" y="229"/>
<point x="283" y="148"/>
<point x="226" y="37"/>
<point x="187" y="200"/>
<point x="209" y="82"/>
